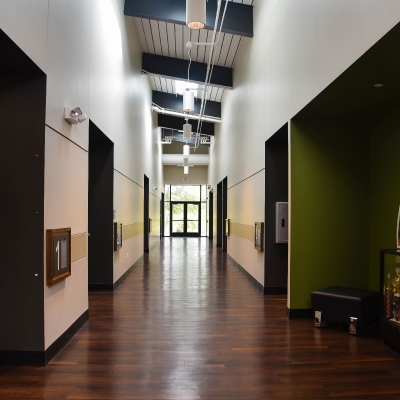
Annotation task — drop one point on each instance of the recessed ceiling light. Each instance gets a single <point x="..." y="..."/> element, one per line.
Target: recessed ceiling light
<point x="378" y="85"/>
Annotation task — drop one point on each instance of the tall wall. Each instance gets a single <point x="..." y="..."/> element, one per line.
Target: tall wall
<point x="329" y="207"/>
<point x="92" y="57"/>
<point x="297" y="50"/>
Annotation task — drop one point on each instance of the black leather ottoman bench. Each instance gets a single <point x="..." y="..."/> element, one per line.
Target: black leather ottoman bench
<point x="355" y="307"/>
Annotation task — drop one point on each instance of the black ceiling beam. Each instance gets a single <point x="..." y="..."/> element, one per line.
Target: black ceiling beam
<point x="170" y="122"/>
<point x="238" y="18"/>
<point x="177" y="68"/>
<point x="175" y="102"/>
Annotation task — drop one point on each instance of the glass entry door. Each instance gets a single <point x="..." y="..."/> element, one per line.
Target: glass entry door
<point x="185" y="219"/>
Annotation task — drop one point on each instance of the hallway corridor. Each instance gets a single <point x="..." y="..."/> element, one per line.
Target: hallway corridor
<point x="187" y="325"/>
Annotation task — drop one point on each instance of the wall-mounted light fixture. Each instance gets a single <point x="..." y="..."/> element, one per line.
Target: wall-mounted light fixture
<point x="74" y="115"/>
<point x="196" y="14"/>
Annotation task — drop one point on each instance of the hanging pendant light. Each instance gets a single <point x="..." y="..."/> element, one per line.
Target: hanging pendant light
<point x="187" y="131"/>
<point x="196" y="14"/>
<point x="186" y="150"/>
<point x="188" y="101"/>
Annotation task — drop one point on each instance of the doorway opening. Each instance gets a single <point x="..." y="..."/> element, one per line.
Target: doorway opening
<point x="185" y="211"/>
<point x="276" y="205"/>
<point x="101" y="214"/>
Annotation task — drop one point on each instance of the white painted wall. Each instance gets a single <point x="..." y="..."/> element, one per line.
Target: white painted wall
<point x="92" y="56"/>
<point x="66" y="178"/>
<point x="299" y="48"/>
<point x="174" y="175"/>
<point x="128" y="206"/>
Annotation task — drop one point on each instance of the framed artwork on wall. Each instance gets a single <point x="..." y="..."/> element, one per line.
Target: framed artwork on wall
<point x="117" y="235"/>
<point x="227" y="227"/>
<point x="58" y="255"/>
<point x="259" y="236"/>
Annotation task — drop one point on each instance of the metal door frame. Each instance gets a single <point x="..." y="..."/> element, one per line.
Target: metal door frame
<point x="185" y="233"/>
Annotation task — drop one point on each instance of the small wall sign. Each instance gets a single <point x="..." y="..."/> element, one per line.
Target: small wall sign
<point x="58" y="255"/>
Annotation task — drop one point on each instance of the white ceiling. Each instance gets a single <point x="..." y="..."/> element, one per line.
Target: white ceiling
<point x="168" y="39"/>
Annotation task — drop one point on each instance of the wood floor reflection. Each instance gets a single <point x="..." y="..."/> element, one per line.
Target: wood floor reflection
<point x="186" y="324"/>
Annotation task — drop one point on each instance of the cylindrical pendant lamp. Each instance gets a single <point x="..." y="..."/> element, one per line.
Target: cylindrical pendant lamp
<point x="186" y="170"/>
<point x="187" y="131"/>
<point x="186" y="150"/>
<point x="196" y="13"/>
<point x="188" y="101"/>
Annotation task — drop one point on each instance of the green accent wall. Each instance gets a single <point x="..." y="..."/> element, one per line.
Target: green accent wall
<point x="385" y="188"/>
<point x="329" y="207"/>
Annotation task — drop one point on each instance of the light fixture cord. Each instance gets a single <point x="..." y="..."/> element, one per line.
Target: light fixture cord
<point x="209" y="73"/>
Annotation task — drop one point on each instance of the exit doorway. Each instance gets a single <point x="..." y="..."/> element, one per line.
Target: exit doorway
<point x="185" y="219"/>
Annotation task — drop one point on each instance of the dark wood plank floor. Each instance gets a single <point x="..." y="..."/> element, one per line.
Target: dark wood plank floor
<point x="187" y="325"/>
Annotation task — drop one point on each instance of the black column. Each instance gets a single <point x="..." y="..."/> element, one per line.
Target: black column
<point x="219" y="215"/>
<point x="146" y="214"/>
<point x="224" y="213"/>
<point x="276" y="190"/>
<point x="210" y="215"/>
<point x="101" y="213"/>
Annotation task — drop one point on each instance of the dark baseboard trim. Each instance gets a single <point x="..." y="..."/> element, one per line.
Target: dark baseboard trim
<point x="300" y="313"/>
<point x="249" y="277"/>
<point x="66" y="336"/>
<point x="101" y="287"/>
<point x="42" y="358"/>
<point x="127" y="273"/>
<point x="275" y="290"/>
<point x="105" y="287"/>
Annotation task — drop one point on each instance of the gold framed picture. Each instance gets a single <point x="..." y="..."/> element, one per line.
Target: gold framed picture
<point x="259" y="236"/>
<point x="227" y="227"/>
<point x="58" y="255"/>
<point x="117" y="235"/>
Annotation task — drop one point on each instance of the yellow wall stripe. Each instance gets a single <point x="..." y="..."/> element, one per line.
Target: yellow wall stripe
<point x="244" y="231"/>
<point x="78" y="247"/>
<point x="129" y="231"/>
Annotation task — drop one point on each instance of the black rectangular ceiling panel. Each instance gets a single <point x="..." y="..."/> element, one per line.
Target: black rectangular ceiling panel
<point x="238" y="18"/>
<point x="168" y="121"/>
<point x="175" y="102"/>
<point x="178" y="69"/>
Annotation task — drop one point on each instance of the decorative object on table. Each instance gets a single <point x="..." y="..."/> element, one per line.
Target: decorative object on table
<point x="117" y="235"/>
<point x="259" y="236"/>
<point x="58" y="255"/>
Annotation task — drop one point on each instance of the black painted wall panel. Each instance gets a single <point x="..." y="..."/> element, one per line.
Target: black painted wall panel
<point x="211" y="215"/>
<point x="224" y="214"/>
<point x="276" y="189"/>
<point x="101" y="203"/>
<point x="146" y="214"/>
<point x="22" y="111"/>
<point x="219" y="214"/>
